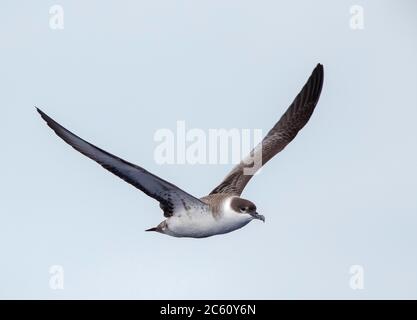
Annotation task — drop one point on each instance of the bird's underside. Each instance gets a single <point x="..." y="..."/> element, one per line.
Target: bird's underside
<point x="222" y="210"/>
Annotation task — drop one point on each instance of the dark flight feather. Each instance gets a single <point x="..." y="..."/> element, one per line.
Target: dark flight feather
<point x="171" y="198"/>
<point x="284" y="131"/>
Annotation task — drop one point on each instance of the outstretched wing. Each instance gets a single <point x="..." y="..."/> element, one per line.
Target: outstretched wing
<point x="284" y="131"/>
<point x="172" y="199"/>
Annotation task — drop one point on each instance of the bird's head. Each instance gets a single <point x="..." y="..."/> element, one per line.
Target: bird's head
<point x="243" y="206"/>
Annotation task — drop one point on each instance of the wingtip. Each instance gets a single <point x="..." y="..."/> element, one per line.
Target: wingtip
<point x="318" y="72"/>
<point x="44" y="116"/>
<point x="40" y="112"/>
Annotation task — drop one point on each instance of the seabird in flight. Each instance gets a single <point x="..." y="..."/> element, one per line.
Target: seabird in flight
<point x="223" y="210"/>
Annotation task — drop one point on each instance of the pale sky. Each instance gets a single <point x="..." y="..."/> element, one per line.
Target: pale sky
<point x="341" y="194"/>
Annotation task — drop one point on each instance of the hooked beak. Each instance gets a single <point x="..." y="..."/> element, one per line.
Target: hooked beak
<point x="258" y="216"/>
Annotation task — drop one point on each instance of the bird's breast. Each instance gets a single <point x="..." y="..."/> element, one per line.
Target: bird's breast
<point x="205" y="225"/>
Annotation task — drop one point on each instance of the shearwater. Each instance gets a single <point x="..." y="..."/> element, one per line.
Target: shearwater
<point x="223" y="210"/>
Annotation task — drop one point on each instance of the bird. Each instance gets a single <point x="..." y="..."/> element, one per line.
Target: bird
<point x="223" y="210"/>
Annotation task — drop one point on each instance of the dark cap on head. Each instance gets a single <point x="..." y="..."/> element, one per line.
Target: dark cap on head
<point x="242" y="205"/>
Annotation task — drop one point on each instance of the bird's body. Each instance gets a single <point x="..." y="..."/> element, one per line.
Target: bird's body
<point x="218" y="218"/>
<point x="223" y="210"/>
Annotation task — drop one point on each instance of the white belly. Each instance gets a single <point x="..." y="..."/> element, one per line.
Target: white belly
<point x="205" y="225"/>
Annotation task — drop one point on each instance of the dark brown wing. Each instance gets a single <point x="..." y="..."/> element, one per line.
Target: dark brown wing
<point x="284" y="131"/>
<point x="170" y="197"/>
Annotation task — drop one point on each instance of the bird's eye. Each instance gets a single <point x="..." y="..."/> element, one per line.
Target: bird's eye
<point x="242" y="209"/>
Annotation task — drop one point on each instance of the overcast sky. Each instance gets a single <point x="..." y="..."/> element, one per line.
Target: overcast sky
<point x="342" y="194"/>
